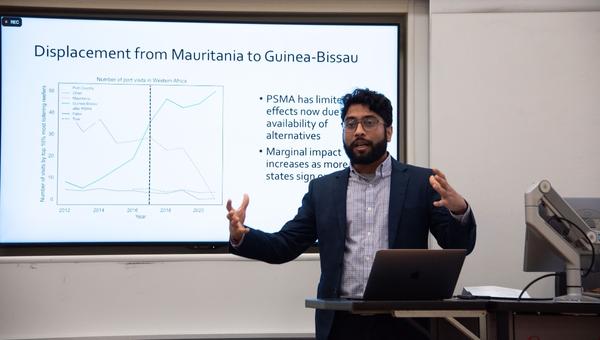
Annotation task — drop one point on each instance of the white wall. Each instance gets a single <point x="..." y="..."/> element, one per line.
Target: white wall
<point x="148" y="297"/>
<point x="515" y="98"/>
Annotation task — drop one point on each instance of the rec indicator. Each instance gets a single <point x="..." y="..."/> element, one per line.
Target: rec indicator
<point x="12" y="21"/>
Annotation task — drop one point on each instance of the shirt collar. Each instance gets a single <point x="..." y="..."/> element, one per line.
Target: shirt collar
<point x="383" y="170"/>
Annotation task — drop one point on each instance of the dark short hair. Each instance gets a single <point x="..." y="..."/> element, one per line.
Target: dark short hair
<point x="375" y="101"/>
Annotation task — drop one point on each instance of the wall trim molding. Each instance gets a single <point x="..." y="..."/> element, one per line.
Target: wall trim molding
<point x="509" y="6"/>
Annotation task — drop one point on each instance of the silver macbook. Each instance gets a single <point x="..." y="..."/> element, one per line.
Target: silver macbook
<point x="414" y="274"/>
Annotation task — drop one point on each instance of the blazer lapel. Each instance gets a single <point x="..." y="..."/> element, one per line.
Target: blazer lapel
<point x="398" y="186"/>
<point x="339" y="193"/>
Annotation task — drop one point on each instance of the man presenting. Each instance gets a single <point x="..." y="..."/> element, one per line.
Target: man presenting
<point x="376" y="203"/>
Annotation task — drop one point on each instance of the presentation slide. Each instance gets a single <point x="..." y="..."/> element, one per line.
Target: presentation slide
<point x="139" y="130"/>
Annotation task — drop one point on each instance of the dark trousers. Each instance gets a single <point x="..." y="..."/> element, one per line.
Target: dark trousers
<point x="347" y="326"/>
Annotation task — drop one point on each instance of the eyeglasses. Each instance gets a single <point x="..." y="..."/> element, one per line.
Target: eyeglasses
<point x="368" y="123"/>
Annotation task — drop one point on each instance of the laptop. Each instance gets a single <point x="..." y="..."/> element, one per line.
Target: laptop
<point x="414" y="274"/>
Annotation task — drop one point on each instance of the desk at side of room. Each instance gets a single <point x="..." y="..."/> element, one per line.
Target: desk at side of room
<point x="494" y="319"/>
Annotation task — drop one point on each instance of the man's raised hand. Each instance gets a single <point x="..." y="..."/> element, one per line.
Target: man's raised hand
<point x="236" y="219"/>
<point x="450" y="198"/>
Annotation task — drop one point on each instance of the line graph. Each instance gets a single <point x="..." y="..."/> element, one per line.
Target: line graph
<point x="140" y="144"/>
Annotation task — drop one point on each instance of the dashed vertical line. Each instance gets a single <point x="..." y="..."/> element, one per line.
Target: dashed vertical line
<point x="149" y="140"/>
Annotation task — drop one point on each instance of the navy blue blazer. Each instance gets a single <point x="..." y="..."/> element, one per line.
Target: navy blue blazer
<point x="322" y="217"/>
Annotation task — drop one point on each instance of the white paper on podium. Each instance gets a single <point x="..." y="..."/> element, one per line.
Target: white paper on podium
<point x="494" y="292"/>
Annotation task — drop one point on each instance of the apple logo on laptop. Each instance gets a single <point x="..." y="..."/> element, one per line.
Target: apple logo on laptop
<point x="415" y="275"/>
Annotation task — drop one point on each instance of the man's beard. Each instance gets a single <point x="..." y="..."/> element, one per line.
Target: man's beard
<point x="377" y="151"/>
